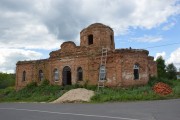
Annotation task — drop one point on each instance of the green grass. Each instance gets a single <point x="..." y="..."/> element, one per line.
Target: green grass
<point x="37" y="93"/>
<point x="134" y="93"/>
<point x="31" y="93"/>
<point x="47" y="93"/>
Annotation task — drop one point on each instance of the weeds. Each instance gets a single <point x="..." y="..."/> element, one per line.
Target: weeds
<point x="46" y="92"/>
<point x="154" y="80"/>
<point x="135" y="93"/>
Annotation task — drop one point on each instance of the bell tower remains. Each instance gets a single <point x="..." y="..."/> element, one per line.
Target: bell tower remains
<point x="97" y="35"/>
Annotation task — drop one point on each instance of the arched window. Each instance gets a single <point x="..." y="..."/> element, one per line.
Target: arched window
<point x="24" y="76"/>
<point x="136" y="71"/>
<point x="79" y="74"/>
<point x="56" y="74"/>
<point x="102" y="72"/>
<point x="90" y="39"/>
<point x="41" y="75"/>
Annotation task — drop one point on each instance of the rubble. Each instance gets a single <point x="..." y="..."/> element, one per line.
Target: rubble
<point x="162" y="88"/>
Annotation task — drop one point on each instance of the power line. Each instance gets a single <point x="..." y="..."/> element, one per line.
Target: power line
<point x="162" y="45"/>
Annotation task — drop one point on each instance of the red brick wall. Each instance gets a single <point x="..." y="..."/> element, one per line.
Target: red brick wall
<point x="152" y="66"/>
<point x="32" y="72"/>
<point x="101" y="36"/>
<point x="19" y="75"/>
<point x="128" y="60"/>
<point x="119" y="67"/>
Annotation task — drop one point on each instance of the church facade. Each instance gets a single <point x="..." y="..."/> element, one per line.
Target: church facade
<point x="73" y="64"/>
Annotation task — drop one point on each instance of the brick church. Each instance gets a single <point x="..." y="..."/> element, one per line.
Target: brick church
<point x="82" y="64"/>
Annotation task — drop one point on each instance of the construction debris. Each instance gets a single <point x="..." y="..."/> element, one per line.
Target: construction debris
<point x="162" y="88"/>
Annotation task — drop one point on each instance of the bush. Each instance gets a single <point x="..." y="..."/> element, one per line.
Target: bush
<point x="45" y="82"/>
<point x="154" y="80"/>
<point x="31" y="85"/>
<point x="6" y="80"/>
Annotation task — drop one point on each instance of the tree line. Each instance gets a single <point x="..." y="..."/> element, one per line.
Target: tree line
<point x="165" y="71"/>
<point x="7" y="80"/>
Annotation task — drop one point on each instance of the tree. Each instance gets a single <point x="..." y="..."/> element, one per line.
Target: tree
<point x="6" y="80"/>
<point x="171" y="71"/>
<point x="161" y="67"/>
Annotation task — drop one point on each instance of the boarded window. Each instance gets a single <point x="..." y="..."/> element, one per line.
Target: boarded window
<point x="41" y="75"/>
<point x="136" y="71"/>
<point x="90" y="39"/>
<point x="56" y="75"/>
<point x="79" y="74"/>
<point x="24" y="76"/>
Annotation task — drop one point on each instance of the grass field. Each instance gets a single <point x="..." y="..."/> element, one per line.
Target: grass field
<point x="47" y="93"/>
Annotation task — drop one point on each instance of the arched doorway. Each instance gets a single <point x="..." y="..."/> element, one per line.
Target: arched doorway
<point x="66" y="76"/>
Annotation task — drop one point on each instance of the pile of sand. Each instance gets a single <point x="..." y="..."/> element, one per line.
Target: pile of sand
<point x="75" y="95"/>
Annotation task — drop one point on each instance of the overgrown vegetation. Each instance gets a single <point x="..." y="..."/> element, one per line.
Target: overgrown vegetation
<point x="161" y="72"/>
<point x="136" y="93"/>
<point x="37" y="93"/>
<point x="32" y="92"/>
<point x="171" y="71"/>
<point x="46" y="92"/>
<point x="6" y="80"/>
<point x="164" y="71"/>
<point x="154" y="80"/>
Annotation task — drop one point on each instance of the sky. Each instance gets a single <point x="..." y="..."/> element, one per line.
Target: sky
<point x="31" y="29"/>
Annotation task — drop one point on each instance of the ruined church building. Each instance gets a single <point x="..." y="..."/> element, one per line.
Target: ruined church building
<point x="81" y="64"/>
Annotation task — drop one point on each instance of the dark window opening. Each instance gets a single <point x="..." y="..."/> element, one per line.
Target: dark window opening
<point x="41" y="75"/>
<point x="136" y="74"/>
<point x="79" y="74"/>
<point x="90" y="39"/>
<point x="111" y="39"/>
<point x="136" y="71"/>
<point x="24" y="76"/>
<point x="56" y="75"/>
<point x="68" y="77"/>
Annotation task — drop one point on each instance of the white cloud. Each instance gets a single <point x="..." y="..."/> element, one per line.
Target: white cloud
<point x="25" y="32"/>
<point x="34" y="24"/>
<point x="163" y="54"/>
<point x="168" y="26"/>
<point x="45" y="24"/>
<point x="147" y="38"/>
<point x="121" y="14"/>
<point x="175" y="58"/>
<point x="9" y="57"/>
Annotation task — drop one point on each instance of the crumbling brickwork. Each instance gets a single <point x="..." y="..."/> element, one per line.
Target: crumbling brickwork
<point x="80" y="64"/>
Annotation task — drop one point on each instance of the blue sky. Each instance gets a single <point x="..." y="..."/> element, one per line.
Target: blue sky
<point x="30" y="30"/>
<point x="167" y="37"/>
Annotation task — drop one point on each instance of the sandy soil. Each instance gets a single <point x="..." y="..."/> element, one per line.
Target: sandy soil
<point x="75" y="95"/>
